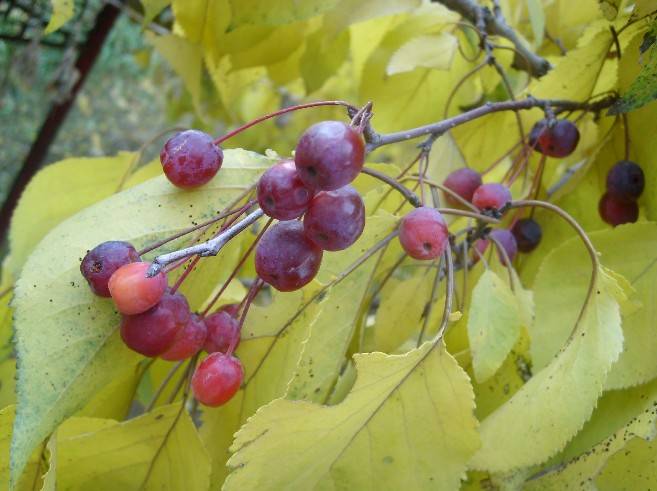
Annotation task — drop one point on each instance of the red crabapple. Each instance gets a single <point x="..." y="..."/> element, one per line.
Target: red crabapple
<point x="188" y="341"/>
<point x="491" y="196"/>
<point x="281" y="192"/>
<point x="217" y="379"/>
<point x="132" y="291"/>
<point x="223" y="329"/>
<point x="463" y="182"/>
<point x="617" y="212"/>
<point x="191" y="159"/>
<point x="100" y="263"/>
<point x="423" y="233"/>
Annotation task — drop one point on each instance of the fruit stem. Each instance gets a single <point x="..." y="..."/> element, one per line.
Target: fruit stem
<point x="280" y="112"/>
<point x="449" y="295"/>
<point x="236" y="269"/>
<point x="410" y="196"/>
<point x="469" y="214"/>
<point x="163" y="385"/>
<point x="445" y="190"/>
<point x="208" y="248"/>
<point x="191" y="229"/>
<point x="253" y="291"/>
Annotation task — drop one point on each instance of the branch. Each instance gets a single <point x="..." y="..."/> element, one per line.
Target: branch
<point x="445" y="125"/>
<point x="209" y="248"/>
<point x="495" y="25"/>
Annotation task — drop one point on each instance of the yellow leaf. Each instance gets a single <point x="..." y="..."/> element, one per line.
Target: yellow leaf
<point x="50" y="477"/>
<point x="552" y="407"/>
<point x="322" y="58"/>
<point x="643" y="8"/>
<point x="276" y="12"/>
<point x="275" y="47"/>
<point x="431" y="51"/>
<point x="57" y="192"/>
<point x="628" y="441"/>
<point x="537" y="20"/>
<point x="354" y="11"/>
<point x="115" y="399"/>
<point x="8" y="382"/>
<point x="185" y="59"/>
<point x="160" y="449"/>
<point x="493" y="324"/>
<point x="576" y="74"/>
<point x="62" y="11"/>
<point x="62" y="326"/>
<point x="626" y="251"/>
<point x="407" y="423"/>
<point x="152" y="8"/>
<point x="33" y="468"/>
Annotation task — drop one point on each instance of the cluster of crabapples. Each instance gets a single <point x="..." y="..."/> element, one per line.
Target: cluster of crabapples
<point x="316" y="210"/>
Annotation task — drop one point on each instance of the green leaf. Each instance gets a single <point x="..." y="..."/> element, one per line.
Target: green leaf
<point x="630" y="469"/>
<point x="160" y="448"/>
<point x="407" y="422"/>
<point x="431" y="51"/>
<point x="553" y="405"/>
<point x="276" y="12"/>
<point x="643" y="89"/>
<point x="50" y="477"/>
<point x="66" y="338"/>
<point x="609" y="8"/>
<point x="62" y="11"/>
<point x="57" y="192"/>
<point x="493" y="324"/>
<point x="627" y="251"/>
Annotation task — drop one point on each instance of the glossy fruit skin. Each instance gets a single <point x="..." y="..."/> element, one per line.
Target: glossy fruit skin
<point x="423" y="233"/>
<point x="223" y="329"/>
<point x="153" y="332"/>
<point x="232" y="309"/>
<point x="491" y="196"/>
<point x="189" y="340"/>
<point x="134" y="293"/>
<point x="335" y="219"/>
<point x="625" y="181"/>
<point x="217" y="379"/>
<point x="559" y="141"/>
<point x="463" y="182"/>
<point x="527" y="233"/>
<point x="190" y="159"/>
<point x="100" y="263"/>
<point x="503" y="237"/>
<point x="281" y="192"/>
<point x="617" y="212"/>
<point x="285" y="258"/>
<point x="329" y="155"/>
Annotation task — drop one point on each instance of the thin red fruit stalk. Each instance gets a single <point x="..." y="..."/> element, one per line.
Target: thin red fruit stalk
<point x="280" y="112"/>
<point x="236" y="269"/>
<point x="255" y="288"/>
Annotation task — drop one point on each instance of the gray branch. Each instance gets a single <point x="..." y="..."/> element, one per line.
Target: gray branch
<point x="495" y="25"/>
<point x="209" y="248"/>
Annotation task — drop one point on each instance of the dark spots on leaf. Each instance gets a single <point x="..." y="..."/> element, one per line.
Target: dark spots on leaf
<point x="159" y="416"/>
<point x="388" y="459"/>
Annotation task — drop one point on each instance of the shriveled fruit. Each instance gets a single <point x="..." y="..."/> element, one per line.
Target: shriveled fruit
<point x="625" y="181"/>
<point x="491" y="196"/>
<point x="103" y="260"/>
<point x="463" y="182"/>
<point x="617" y="212"/>
<point x="423" y="233"/>
<point x="329" y="155"/>
<point x="153" y="332"/>
<point x="191" y="159"/>
<point x="188" y="341"/>
<point x="281" y="192"/>
<point x="285" y="258"/>
<point x="527" y="233"/>
<point x="557" y="140"/>
<point x="223" y="329"/>
<point x="217" y="379"/>
<point x="335" y="219"/>
<point x="132" y="291"/>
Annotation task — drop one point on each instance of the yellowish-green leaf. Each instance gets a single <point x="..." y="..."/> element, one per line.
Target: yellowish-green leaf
<point x="407" y="423"/>
<point x="185" y="59"/>
<point x="576" y="74"/>
<point x="50" y="477"/>
<point x="57" y="192"/>
<point x="630" y="469"/>
<point x="561" y="285"/>
<point x="115" y="399"/>
<point x="62" y="11"/>
<point x="7" y="382"/>
<point x="644" y="7"/>
<point x="152" y="8"/>
<point x="32" y="471"/>
<point x="276" y="12"/>
<point x="322" y="58"/>
<point x="609" y="8"/>
<point x="585" y="467"/>
<point x="431" y="51"/>
<point x="400" y="313"/>
<point x="493" y="324"/>
<point x="353" y="11"/>
<point x="537" y="20"/>
<point x="161" y="449"/>
<point x="562" y="395"/>
<point x="66" y="338"/>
